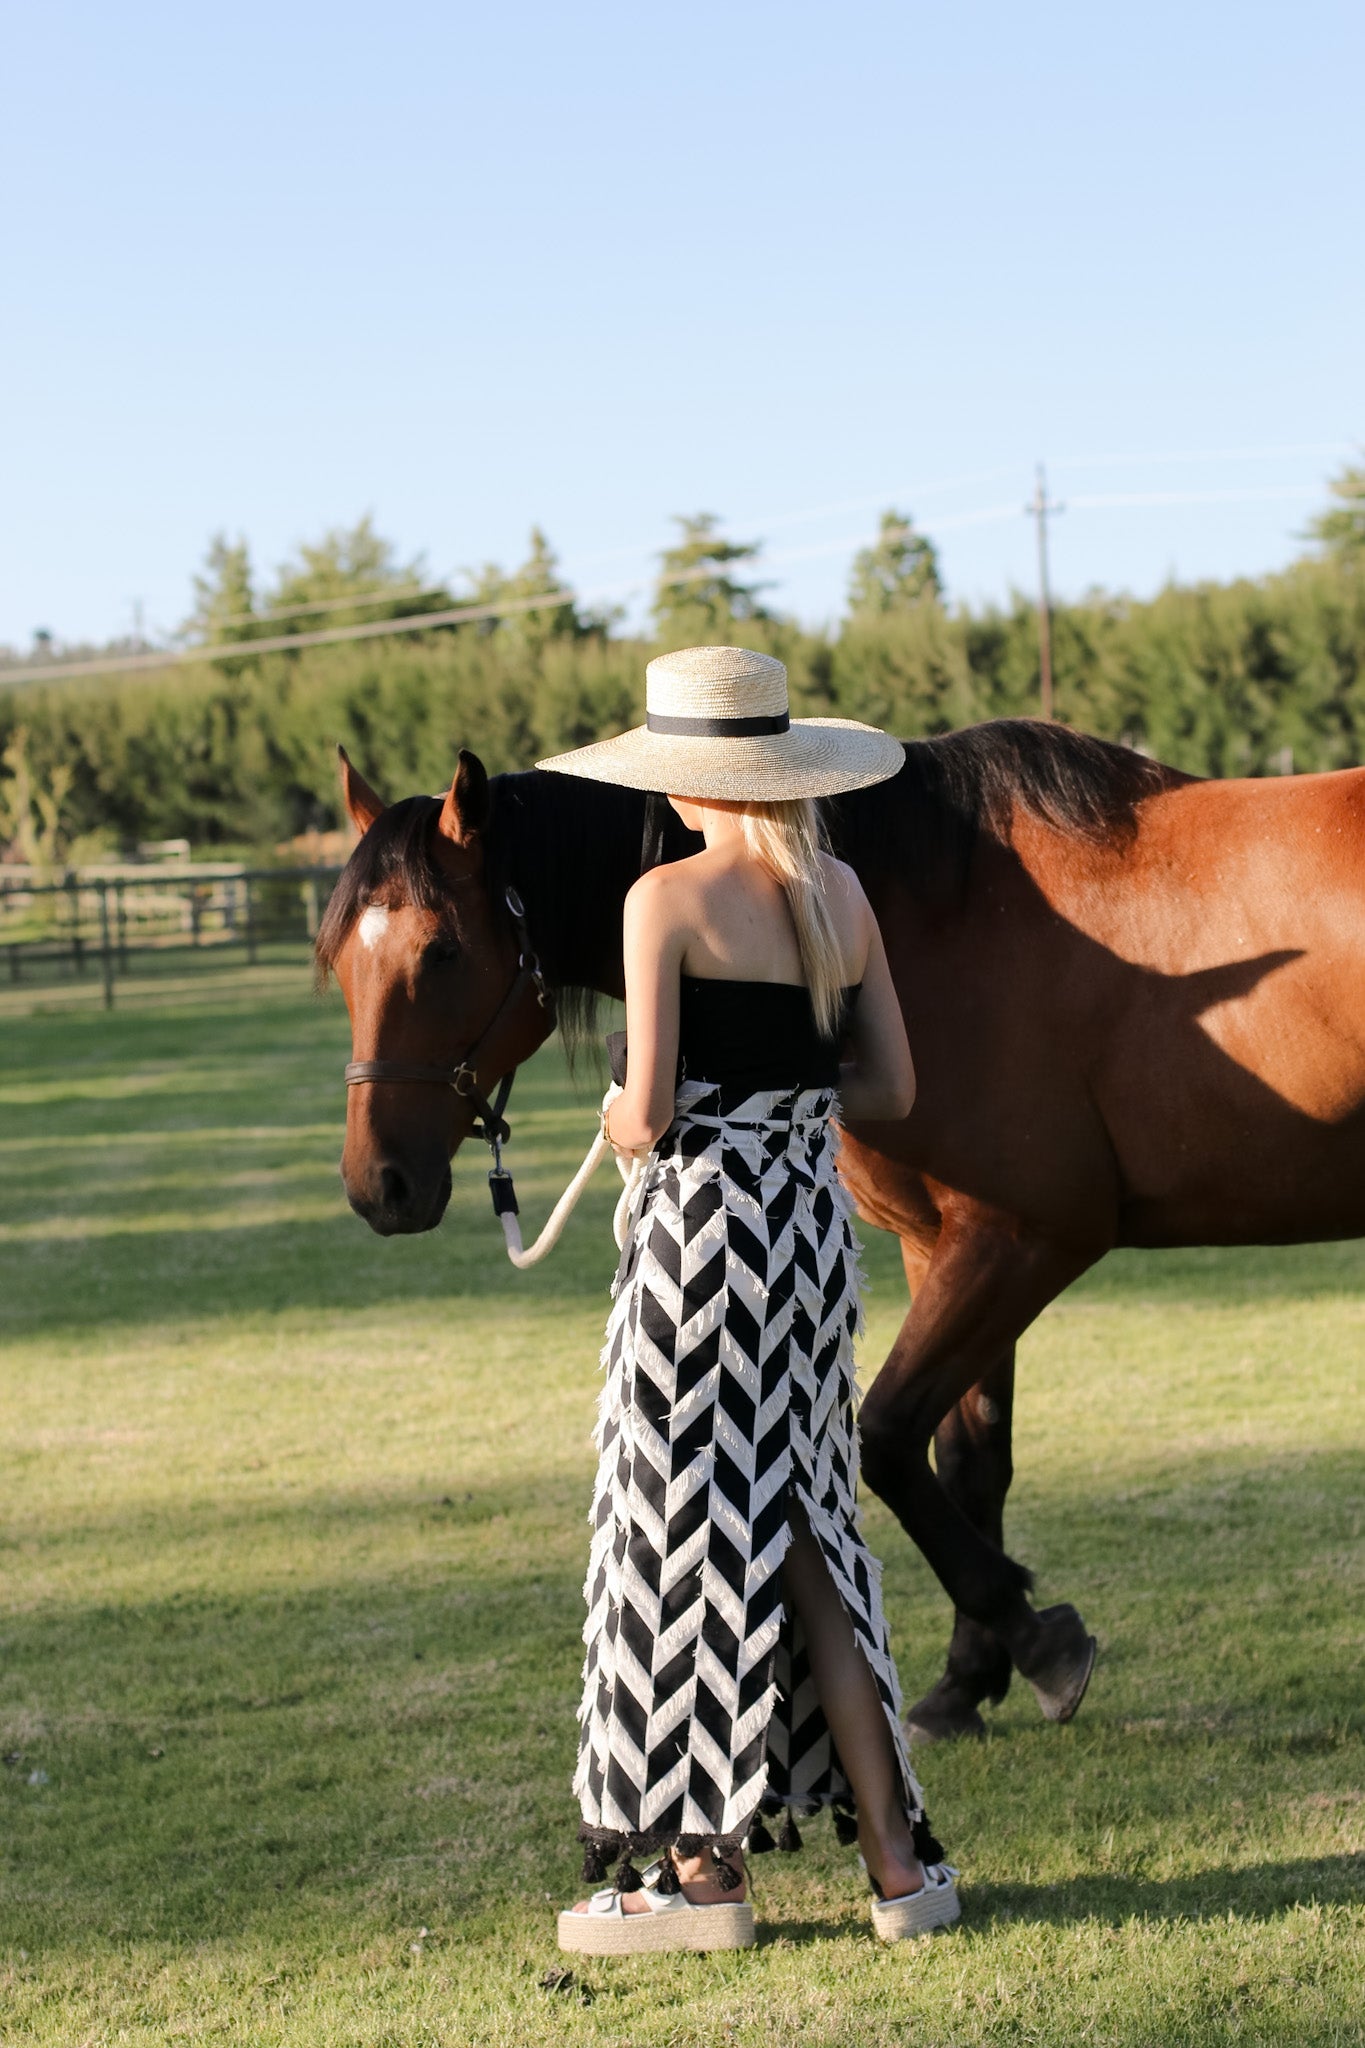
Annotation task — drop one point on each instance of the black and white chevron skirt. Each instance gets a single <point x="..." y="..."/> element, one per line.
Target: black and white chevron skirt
<point x="729" y="1394"/>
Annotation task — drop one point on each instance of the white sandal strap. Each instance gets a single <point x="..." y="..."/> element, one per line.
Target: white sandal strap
<point x="607" y="1904"/>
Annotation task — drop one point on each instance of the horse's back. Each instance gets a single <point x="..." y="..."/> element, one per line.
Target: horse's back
<point x="1227" y="1029"/>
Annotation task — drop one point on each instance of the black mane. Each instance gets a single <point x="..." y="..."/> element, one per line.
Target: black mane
<point x="571" y="848"/>
<point x="925" y="822"/>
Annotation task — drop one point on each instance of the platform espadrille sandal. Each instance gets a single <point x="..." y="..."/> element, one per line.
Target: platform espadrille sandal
<point x="934" y="1905"/>
<point x="672" y="1922"/>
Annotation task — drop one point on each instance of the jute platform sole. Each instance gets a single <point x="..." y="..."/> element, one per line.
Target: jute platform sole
<point x="935" y="1905"/>
<point x="666" y="1926"/>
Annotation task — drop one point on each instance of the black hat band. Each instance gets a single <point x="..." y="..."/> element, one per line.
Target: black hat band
<point x="718" y="728"/>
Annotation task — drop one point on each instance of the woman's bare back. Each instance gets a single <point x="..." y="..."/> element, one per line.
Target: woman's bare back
<point x="740" y="926"/>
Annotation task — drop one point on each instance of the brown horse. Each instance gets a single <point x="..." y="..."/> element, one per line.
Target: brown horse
<point x="1137" y="1007"/>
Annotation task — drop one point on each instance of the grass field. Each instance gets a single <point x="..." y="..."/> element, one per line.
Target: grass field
<point x="293" y="1533"/>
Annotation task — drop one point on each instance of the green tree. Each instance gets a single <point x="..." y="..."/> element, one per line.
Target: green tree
<point x="1340" y="530"/>
<point x="697" y="600"/>
<point x="32" y="819"/>
<point x="224" y="595"/>
<point x="350" y="562"/>
<point x="538" y="577"/>
<point x="899" y="570"/>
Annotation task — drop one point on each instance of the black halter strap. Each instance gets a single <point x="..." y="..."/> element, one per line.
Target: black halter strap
<point x="490" y="1123"/>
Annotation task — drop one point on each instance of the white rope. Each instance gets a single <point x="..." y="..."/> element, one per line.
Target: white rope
<point x="632" y="1173"/>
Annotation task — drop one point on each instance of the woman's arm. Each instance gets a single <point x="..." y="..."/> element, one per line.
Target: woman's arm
<point x="878" y="1084"/>
<point x="654" y="937"/>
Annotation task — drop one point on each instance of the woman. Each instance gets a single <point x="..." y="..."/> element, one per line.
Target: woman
<point x="737" y="1655"/>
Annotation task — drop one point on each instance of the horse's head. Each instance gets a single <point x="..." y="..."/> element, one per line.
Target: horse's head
<point x="429" y="965"/>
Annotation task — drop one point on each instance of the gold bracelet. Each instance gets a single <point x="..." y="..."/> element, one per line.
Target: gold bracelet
<point x="606" y="1126"/>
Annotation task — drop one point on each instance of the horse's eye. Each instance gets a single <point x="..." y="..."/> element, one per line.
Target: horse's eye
<point x="440" y="952"/>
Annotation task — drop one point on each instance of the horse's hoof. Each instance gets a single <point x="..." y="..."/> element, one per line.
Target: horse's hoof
<point x="1059" y="1661"/>
<point x="943" y="1715"/>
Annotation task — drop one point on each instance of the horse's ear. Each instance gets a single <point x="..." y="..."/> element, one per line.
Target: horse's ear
<point x="465" y="810"/>
<point x="362" y="805"/>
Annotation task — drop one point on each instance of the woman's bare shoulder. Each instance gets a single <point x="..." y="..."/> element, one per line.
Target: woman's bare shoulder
<point x="670" y="877"/>
<point x="851" y="911"/>
<point x="663" y="893"/>
<point x="840" y="873"/>
<point x="844" y="891"/>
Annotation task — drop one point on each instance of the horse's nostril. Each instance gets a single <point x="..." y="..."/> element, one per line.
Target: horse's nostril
<point x="393" y="1187"/>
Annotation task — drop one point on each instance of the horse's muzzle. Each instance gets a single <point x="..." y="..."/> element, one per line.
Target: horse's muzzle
<point x="397" y="1202"/>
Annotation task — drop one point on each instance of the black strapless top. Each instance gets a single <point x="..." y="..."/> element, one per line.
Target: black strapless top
<point x="755" y="1034"/>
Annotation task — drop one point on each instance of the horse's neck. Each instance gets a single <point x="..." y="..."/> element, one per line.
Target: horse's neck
<point x="573" y="848"/>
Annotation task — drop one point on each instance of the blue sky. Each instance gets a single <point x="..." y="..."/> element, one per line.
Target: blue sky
<point x="267" y="268"/>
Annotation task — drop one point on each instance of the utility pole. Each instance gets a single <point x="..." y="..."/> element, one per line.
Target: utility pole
<point x="1040" y="509"/>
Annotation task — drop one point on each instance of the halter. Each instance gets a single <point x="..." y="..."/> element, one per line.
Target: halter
<point x="494" y="1129"/>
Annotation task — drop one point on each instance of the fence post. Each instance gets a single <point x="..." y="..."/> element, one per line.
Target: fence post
<point x="77" y="942"/>
<point x="311" y="907"/>
<point x="121" y="927"/>
<point x="250" y="924"/>
<point x="106" y="947"/>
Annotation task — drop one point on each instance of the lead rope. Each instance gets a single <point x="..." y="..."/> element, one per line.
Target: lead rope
<point x="632" y="1173"/>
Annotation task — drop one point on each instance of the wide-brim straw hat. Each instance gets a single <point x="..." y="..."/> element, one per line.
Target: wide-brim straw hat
<point x="718" y="725"/>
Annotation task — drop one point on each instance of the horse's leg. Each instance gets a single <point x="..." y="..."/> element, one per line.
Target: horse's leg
<point x="988" y="1277"/>
<point x="973" y="1460"/>
<point x="974" y="1466"/>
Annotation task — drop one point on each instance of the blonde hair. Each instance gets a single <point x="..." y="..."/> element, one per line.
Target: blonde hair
<point x="787" y="838"/>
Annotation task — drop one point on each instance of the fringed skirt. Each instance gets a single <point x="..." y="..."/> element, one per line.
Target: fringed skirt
<point x="729" y="1395"/>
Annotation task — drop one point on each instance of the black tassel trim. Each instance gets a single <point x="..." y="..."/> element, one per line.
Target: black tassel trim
<point x="789" y="1839"/>
<point x="845" y="1827"/>
<point x="727" y="1877"/>
<point x="594" y="1866"/>
<point x="627" y="1878"/>
<point x="668" y="1884"/>
<point x="928" y="1847"/>
<point x="760" y="1841"/>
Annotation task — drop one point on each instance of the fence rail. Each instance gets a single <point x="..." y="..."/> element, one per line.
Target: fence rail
<point x="97" y="923"/>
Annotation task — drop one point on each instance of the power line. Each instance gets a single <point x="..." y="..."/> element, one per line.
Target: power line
<point x="280" y="643"/>
<point x="1148" y="456"/>
<point x="908" y="493"/>
<point x="1248" y="494"/>
<point x="415" y="622"/>
<point x="332" y="604"/>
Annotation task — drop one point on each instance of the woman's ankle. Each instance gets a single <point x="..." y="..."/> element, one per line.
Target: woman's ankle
<point x="889" y="1853"/>
<point x="706" y="1882"/>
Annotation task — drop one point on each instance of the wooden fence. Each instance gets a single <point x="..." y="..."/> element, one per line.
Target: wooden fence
<point x="94" y="923"/>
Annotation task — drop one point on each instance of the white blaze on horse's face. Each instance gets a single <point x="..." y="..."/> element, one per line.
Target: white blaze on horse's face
<point x="373" y="925"/>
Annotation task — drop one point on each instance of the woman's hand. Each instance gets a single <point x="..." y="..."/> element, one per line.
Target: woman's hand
<point x="622" y="1151"/>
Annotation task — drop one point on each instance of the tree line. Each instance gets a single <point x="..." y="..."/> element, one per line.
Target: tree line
<point x="1257" y="676"/>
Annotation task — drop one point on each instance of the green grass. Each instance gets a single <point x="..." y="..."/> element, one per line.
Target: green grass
<point x="293" y="1532"/>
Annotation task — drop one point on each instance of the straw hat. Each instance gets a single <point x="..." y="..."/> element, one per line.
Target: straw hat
<point x="717" y="725"/>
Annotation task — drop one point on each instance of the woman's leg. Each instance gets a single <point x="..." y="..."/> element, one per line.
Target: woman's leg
<point x="853" y="1709"/>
